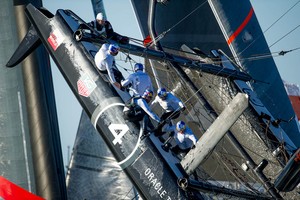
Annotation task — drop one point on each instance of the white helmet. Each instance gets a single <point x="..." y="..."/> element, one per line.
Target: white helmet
<point x="100" y="16"/>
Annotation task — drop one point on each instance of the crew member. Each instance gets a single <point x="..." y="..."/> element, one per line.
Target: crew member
<point x="171" y="105"/>
<point x="137" y="109"/>
<point x="106" y="30"/>
<point x="184" y="137"/>
<point x="139" y="81"/>
<point x="105" y="62"/>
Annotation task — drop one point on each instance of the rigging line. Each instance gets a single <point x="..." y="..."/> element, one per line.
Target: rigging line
<point x="246" y="125"/>
<point x="242" y="158"/>
<point x="125" y="69"/>
<point x="134" y="39"/>
<point x="258" y="155"/>
<point x="160" y="36"/>
<point x="217" y="88"/>
<point x="197" y="119"/>
<point x="284" y="36"/>
<point x="188" y="15"/>
<point x="212" y="174"/>
<point x="192" y="95"/>
<point x="137" y="41"/>
<point x="127" y="194"/>
<point x="269" y="27"/>
<point x="259" y="56"/>
<point x="229" y="164"/>
<point x="127" y="59"/>
<point x="281" y="16"/>
<point x="182" y="90"/>
<point x="224" y="152"/>
<point x="220" y="152"/>
<point x="223" y="99"/>
<point x="204" y="108"/>
<point x="266" y="55"/>
<point x="251" y="58"/>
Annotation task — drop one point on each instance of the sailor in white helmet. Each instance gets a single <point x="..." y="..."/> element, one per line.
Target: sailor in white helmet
<point x="106" y="30"/>
<point x="102" y="26"/>
<point x="105" y="62"/>
<point x="139" y="81"/>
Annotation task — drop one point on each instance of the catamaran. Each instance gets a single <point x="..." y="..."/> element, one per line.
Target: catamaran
<point x="251" y="157"/>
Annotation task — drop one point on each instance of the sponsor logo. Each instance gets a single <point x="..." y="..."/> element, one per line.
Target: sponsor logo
<point x="55" y="39"/>
<point x="156" y="184"/>
<point x="85" y="85"/>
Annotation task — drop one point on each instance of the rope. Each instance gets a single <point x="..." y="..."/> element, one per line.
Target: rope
<point x="256" y="57"/>
<point x="162" y="35"/>
<point x="284" y="36"/>
<point x="188" y="15"/>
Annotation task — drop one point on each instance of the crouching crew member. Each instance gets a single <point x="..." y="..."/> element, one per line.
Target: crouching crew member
<point x="184" y="137"/>
<point x="137" y="109"/>
<point x="171" y="105"/>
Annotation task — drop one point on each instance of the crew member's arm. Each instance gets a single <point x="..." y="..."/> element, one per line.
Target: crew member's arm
<point x="110" y="73"/>
<point x="92" y="24"/>
<point x="109" y="29"/>
<point x="181" y="105"/>
<point x="179" y="102"/>
<point x="142" y="103"/>
<point x="191" y="136"/>
<point x="153" y="102"/>
<point x="127" y="81"/>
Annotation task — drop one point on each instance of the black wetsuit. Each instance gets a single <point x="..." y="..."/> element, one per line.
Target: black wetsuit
<point x="109" y="32"/>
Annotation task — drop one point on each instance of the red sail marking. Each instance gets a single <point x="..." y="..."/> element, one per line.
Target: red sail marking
<point x="10" y="191"/>
<point x="241" y="27"/>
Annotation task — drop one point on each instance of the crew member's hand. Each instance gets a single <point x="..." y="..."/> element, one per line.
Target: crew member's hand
<point x="118" y="85"/>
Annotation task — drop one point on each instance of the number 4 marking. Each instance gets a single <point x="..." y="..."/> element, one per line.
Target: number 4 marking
<point x="118" y="131"/>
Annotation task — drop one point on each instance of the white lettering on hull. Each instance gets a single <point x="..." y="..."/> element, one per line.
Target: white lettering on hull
<point x="156" y="184"/>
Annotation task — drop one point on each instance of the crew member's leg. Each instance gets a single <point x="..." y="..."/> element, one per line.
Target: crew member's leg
<point x="165" y="117"/>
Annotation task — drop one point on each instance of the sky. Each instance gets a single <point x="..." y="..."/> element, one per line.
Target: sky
<point x="120" y="14"/>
